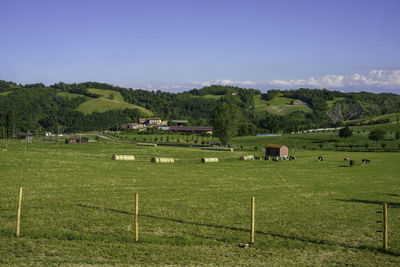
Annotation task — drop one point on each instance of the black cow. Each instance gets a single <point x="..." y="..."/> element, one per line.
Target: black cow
<point x="365" y="161"/>
<point x="352" y="162"/>
<point x="292" y="157"/>
<point x="320" y="158"/>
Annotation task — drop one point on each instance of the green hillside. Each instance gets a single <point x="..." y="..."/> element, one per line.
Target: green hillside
<point x="108" y="100"/>
<point x="71" y="95"/>
<point x="280" y="105"/>
<point x="93" y="106"/>
<point x="216" y="97"/>
<point x="330" y="103"/>
<point x="6" y="93"/>
<point x="110" y="94"/>
<point x="391" y="117"/>
<point x="102" y="104"/>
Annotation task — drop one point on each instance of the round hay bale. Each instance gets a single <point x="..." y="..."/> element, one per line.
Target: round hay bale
<point x="208" y="160"/>
<point x="146" y="144"/>
<point x="122" y="157"/>
<point x="162" y="160"/>
<point x="248" y="157"/>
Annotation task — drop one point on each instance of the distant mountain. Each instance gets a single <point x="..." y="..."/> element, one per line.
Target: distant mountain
<point x="95" y="106"/>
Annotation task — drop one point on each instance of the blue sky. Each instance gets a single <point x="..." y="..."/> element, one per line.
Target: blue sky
<point x="176" y="45"/>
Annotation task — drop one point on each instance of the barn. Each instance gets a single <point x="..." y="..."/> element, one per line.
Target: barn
<point x="276" y="150"/>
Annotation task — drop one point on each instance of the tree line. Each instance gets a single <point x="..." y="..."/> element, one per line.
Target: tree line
<point x="37" y="107"/>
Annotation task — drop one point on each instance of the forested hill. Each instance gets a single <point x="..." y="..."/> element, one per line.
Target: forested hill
<point x="95" y="106"/>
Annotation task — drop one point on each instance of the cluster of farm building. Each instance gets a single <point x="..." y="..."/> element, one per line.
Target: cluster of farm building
<point x="165" y="125"/>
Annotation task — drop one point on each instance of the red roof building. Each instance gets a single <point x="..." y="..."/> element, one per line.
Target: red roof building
<point x="276" y="150"/>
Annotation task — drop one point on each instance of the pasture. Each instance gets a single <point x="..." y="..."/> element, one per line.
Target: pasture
<point x="280" y="105"/>
<point x="78" y="207"/>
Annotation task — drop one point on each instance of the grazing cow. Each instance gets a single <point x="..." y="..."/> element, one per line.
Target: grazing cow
<point x="365" y="161"/>
<point x="352" y="162"/>
<point x="320" y="158"/>
<point x="292" y="158"/>
<point x="347" y="159"/>
<point x="275" y="159"/>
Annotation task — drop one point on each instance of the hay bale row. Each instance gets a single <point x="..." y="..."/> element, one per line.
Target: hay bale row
<point x="159" y="160"/>
<point x="247" y="157"/>
<point x="162" y="160"/>
<point x="122" y="157"/>
<point x="146" y="144"/>
<point x="218" y="148"/>
<point x="209" y="160"/>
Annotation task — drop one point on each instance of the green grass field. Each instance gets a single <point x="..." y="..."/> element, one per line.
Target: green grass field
<point x="323" y="140"/>
<point x="392" y="118"/>
<point x="6" y="93"/>
<point x="216" y="97"/>
<point x="107" y="94"/>
<point x="279" y="105"/>
<point x="104" y="104"/>
<point x="78" y="207"/>
<point x="108" y="100"/>
<point x="330" y="103"/>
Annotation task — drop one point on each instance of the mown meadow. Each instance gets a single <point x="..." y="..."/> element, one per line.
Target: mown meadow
<point x="78" y="206"/>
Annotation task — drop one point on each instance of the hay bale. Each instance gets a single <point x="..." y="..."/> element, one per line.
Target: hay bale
<point x="122" y="157"/>
<point x="162" y="160"/>
<point x="146" y="144"/>
<point x="248" y="157"/>
<point x="208" y="160"/>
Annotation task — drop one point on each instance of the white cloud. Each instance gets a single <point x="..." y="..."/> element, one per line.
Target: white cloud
<point x="374" y="80"/>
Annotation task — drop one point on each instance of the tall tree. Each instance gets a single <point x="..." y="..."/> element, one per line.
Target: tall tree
<point x="10" y="123"/>
<point x="345" y="132"/>
<point x="225" y="120"/>
<point x="376" y="135"/>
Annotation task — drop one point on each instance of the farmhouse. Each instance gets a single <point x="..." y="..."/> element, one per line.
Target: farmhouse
<point x="276" y="150"/>
<point x="132" y="126"/>
<point x="76" y="140"/>
<point x="150" y="121"/>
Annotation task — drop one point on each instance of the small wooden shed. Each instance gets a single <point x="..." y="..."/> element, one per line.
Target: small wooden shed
<point x="276" y="150"/>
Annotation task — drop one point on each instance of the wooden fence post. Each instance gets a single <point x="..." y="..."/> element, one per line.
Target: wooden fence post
<point x="252" y="220"/>
<point x="385" y="227"/>
<point x="136" y="217"/>
<point x="19" y="212"/>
